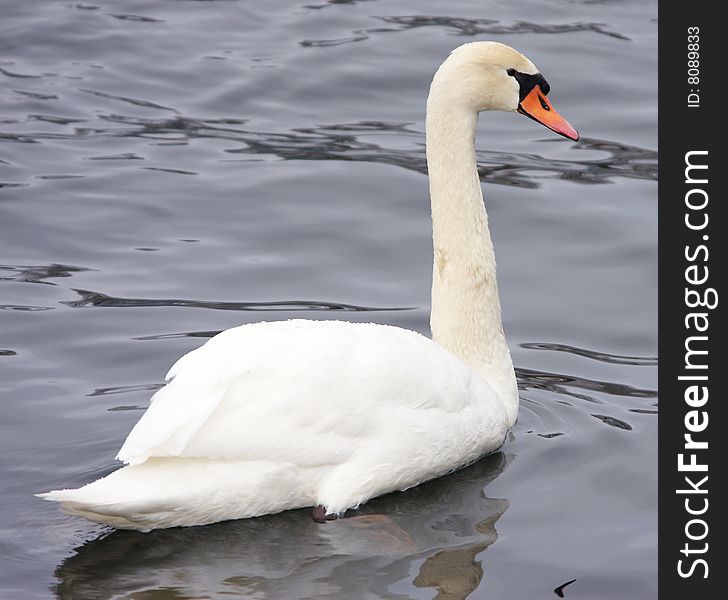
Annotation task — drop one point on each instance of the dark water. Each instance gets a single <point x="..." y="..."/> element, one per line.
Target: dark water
<point x="173" y="168"/>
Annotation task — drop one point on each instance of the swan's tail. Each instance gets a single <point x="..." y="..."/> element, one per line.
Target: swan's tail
<point x="180" y="492"/>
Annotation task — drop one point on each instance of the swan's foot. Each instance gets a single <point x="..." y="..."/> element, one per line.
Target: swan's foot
<point x="318" y="514"/>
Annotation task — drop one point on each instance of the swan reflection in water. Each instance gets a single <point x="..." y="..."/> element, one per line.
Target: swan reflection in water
<point x="430" y="535"/>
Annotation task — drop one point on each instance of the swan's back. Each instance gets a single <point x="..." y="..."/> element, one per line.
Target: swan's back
<point x="307" y="392"/>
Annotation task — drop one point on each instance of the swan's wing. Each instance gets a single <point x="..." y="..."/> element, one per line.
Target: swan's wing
<point x="305" y="392"/>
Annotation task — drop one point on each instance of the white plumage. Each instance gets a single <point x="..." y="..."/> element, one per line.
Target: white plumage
<point x="273" y="416"/>
<point x="292" y="414"/>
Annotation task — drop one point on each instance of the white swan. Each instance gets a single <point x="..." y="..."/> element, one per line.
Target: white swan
<point x="273" y="416"/>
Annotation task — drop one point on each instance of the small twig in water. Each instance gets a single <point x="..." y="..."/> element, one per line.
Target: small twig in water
<point x="559" y="591"/>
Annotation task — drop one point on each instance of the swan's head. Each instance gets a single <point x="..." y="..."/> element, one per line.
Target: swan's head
<point x="492" y="76"/>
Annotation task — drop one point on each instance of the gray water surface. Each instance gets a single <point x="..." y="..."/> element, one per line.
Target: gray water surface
<point x="169" y="169"/>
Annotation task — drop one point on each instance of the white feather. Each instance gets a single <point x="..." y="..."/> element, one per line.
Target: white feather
<point x="272" y="416"/>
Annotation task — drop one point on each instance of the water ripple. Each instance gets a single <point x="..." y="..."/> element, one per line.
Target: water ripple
<point x="37" y="95"/>
<point x="614" y="422"/>
<point x="464" y="27"/>
<point x="54" y="120"/>
<point x="122" y="156"/>
<point x="333" y="3"/>
<point x="89" y="298"/>
<point x="474" y="27"/>
<point x="529" y="379"/>
<point x="180" y="335"/>
<point x="349" y="141"/>
<point x="24" y="307"/>
<point x="39" y="273"/>
<point x="168" y="170"/>
<point x="124" y="389"/>
<point x="8" y="73"/>
<point x="136" y="18"/>
<point x="134" y="101"/>
<point x="617" y="359"/>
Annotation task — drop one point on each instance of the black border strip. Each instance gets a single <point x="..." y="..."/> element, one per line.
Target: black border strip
<point x="686" y="127"/>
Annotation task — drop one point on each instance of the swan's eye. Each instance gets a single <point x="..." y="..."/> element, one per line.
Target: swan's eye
<point x="511" y="72"/>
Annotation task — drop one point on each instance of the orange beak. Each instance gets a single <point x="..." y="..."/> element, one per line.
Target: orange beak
<point x="536" y="106"/>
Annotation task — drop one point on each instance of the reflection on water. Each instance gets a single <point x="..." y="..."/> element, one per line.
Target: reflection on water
<point x="354" y="142"/>
<point x="617" y="359"/>
<point x="89" y="298"/>
<point x="613" y="422"/>
<point x="560" y="384"/>
<point x="37" y="273"/>
<point x="473" y="27"/>
<point x="464" y="27"/>
<point x="440" y="528"/>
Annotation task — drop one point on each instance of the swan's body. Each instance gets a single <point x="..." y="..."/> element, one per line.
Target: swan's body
<point x="273" y="434"/>
<point x="273" y="416"/>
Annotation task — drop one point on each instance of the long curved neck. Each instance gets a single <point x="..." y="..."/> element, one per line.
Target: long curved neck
<point x="466" y="312"/>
